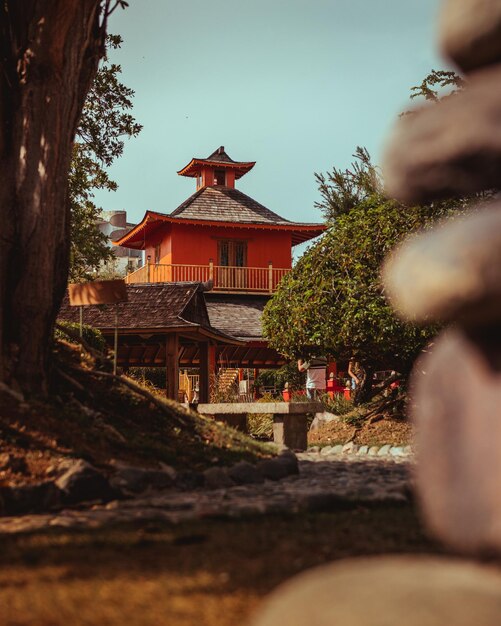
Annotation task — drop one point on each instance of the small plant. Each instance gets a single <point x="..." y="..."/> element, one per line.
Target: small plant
<point x="260" y="425"/>
<point x="339" y="405"/>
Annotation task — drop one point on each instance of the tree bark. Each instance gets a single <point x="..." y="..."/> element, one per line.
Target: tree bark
<point x="49" y="51"/>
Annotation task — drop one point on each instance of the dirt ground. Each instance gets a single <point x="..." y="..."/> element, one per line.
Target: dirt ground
<point x="397" y="432"/>
<point x="212" y="573"/>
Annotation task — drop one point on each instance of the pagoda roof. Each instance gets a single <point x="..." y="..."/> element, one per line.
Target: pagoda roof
<point x="218" y="158"/>
<point x="220" y="206"/>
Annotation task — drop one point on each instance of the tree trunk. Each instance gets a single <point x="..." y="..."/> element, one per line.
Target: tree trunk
<point x="49" y="51"/>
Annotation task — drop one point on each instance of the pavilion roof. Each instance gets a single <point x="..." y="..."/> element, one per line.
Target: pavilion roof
<point x="220" y="206"/>
<point x="219" y="158"/>
<point x="151" y="307"/>
<point x="237" y="315"/>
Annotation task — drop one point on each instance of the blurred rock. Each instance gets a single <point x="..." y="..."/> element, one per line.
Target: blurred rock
<point x="273" y="469"/>
<point x="323" y="418"/>
<point x="470" y="32"/>
<point x="457" y="413"/>
<point x="393" y="591"/>
<point x="244" y="473"/>
<point x="217" y="478"/>
<point x="452" y="272"/>
<point x="448" y="148"/>
<point x="22" y="499"/>
<point x="289" y="459"/>
<point x="83" y="482"/>
<point x="130" y="479"/>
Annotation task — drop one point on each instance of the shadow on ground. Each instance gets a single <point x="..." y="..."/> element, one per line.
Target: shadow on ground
<point x="206" y="574"/>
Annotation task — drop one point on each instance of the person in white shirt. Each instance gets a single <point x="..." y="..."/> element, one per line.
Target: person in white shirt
<point x="316" y="370"/>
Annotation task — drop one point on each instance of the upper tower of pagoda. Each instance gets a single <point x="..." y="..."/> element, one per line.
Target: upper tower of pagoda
<point x="217" y="170"/>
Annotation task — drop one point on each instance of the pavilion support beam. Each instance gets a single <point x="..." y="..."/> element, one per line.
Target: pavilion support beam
<point x="207" y="359"/>
<point x="172" y="366"/>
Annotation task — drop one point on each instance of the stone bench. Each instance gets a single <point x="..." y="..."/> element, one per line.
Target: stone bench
<point x="290" y="425"/>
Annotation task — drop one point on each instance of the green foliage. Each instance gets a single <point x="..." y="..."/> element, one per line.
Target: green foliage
<point x="432" y="87"/>
<point x="339" y="405"/>
<point x="342" y="190"/>
<point x="92" y="336"/>
<point x="333" y="300"/>
<point x="278" y="378"/>
<point x="104" y="124"/>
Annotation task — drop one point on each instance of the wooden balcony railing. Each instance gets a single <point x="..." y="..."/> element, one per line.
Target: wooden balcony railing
<point x="224" y="278"/>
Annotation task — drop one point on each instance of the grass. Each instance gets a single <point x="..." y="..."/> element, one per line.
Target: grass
<point x="210" y="573"/>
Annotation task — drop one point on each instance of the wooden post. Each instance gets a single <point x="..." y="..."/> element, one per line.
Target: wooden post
<point x="172" y="366"/>
<point x="204" y="384"/>
<point x="211" y="269"/>
<point x="270" y="277"/>
<point x="256" y="374"/>
<point x="148" y="264"/>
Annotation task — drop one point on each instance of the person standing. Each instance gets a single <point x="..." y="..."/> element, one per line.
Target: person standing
<point x="354" y="373"/>
<point x="316" y="369"/>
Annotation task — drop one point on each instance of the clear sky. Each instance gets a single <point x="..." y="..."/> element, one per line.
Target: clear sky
<point x="295" y="85"/>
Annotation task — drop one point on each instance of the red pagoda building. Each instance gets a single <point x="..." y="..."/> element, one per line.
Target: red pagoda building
<point x="218" y="234"/>
<point x="211" y="266"/>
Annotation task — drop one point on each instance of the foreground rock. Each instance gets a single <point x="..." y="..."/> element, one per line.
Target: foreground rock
<point x="470" y="32"/>
<point x="389" y="591"/>
<point x="459" y="441"/>
<point x="452" y="272"/>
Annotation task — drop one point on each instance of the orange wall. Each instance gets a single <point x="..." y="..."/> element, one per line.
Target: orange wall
<point x="163" y="237"/>
<point x="195" y="245"/>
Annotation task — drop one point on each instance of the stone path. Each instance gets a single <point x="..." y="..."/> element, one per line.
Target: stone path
<point x="325" y="482"/>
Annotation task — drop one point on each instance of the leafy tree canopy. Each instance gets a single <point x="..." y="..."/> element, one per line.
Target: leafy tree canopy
<point x="333" y="300"/>
<point x="104" y="125"/>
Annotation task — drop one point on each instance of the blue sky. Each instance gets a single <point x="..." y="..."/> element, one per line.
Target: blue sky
<point x="295" y="85"/>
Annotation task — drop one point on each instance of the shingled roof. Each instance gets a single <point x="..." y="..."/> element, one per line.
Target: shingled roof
<point x="220" y="156"/>
<point x="224" y="204"/>
<point x="151" y="306"/>
<point x="237" y="315"/>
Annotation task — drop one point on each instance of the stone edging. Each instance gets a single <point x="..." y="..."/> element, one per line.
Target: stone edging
<point x="386" y="450"/>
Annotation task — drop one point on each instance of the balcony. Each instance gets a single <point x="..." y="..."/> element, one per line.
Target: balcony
<point x="224" y="278"/>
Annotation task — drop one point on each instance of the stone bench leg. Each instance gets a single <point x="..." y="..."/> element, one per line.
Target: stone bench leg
<point x="236" y="420"/>
<point x="291" y="431"/>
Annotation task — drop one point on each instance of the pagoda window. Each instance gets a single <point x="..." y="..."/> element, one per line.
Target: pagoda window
<point x="232" y="253"/>
<point x="157" y="254"/>
<point x="219" y="177"/>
